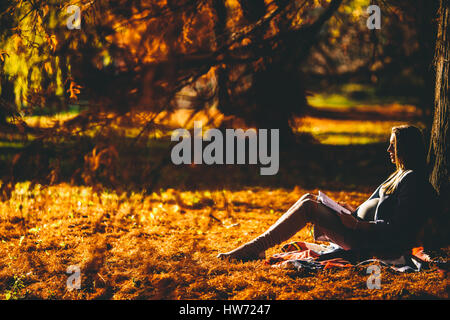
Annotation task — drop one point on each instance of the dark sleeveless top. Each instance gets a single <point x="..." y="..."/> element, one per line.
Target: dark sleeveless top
<point x="393" y="220"/>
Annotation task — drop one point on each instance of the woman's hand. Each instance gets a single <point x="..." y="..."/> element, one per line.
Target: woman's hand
<point x="347" y="206"/>
<point x="309" y="196"/>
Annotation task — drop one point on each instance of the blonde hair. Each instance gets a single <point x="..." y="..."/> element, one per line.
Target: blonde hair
<point x="409" y="155"/>
<point x="392" y="182"/>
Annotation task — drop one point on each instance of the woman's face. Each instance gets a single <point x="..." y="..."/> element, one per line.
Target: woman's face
<point x="391" y="148"/>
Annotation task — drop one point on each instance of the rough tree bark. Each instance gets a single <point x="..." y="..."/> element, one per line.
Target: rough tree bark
<point x="438" y="154"/>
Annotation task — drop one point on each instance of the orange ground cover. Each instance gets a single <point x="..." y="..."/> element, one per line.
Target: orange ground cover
<point x="163" y="246"/>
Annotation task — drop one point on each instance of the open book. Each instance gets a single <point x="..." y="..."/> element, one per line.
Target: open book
<point x="330" y="203"/>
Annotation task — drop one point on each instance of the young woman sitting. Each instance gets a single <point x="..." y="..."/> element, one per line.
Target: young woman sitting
<point x="389" y="221"/>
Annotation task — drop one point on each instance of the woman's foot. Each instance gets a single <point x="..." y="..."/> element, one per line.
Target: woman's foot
<point x="243" y="255"/>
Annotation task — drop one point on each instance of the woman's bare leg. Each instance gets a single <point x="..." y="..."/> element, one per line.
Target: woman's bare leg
<point x="284" y="228"/>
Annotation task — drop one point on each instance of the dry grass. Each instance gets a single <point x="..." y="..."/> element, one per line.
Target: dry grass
<point x="325" y="130"/>
<point x="345" y="132"/>
<point x="163" y="246"/>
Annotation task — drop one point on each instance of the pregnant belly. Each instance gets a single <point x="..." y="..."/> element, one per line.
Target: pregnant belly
<point x="366" y="211"/>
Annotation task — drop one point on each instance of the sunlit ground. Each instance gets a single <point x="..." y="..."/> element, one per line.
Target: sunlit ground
<point x="163" y="246"/>
<point x="344" y="132"/>
<point x="358" y="96"/>
<point x="325" y="130"/>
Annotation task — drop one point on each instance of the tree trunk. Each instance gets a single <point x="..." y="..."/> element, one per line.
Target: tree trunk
<point x="438" y="154"/>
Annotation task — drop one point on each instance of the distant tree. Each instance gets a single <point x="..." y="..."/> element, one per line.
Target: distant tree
<point x="243" y="55"/>
<point x="395" y="60"/>
<point x="268" y="88"/>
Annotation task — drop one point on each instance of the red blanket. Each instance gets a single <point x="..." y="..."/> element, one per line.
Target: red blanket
<point x="313" y="256"/>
